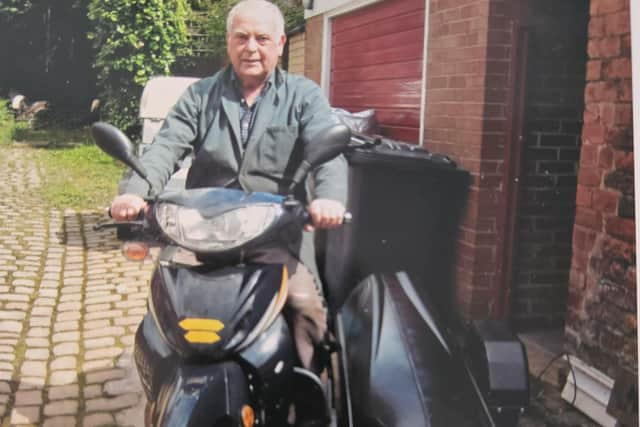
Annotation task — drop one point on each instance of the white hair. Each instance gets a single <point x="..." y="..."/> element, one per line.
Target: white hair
<point x="271" y="8"/>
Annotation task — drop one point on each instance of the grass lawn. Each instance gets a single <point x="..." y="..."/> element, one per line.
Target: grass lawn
<point x="76" y="173"/>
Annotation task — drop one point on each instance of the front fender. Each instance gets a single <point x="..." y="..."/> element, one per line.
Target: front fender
<point x="202" y="395"/>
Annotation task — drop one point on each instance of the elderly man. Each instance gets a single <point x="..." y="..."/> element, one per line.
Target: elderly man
<point x="246" y="125"/>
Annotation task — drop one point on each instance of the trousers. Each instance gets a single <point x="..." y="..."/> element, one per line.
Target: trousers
<point x="305" y="309"/>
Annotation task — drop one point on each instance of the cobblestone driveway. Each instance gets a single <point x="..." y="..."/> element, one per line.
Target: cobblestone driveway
<point x="69" y="307"/>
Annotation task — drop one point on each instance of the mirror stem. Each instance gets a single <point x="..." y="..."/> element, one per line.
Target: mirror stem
<point x="300" y="175"/>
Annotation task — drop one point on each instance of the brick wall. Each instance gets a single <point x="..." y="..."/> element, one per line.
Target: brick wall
<point x="313" y="48"/>
<point x="554" y="105"/>
<point x="467" y="118"/>
<point x="297" y="53"/>
<point x="601" y="320"/>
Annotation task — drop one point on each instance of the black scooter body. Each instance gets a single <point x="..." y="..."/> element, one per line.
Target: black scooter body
<point x="194" y="384"/>
<point x="402" y="369"/>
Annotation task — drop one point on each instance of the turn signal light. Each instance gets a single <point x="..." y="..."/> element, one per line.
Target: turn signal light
<point x="135" y="251"/>
<point x="248" y="416"/>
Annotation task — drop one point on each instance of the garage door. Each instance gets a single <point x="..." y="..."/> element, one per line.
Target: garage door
<point x="376" y="62"/>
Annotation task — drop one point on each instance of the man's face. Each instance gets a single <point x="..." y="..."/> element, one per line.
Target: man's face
<point x="253" y="46"/>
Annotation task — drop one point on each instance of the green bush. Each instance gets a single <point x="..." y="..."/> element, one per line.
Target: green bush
<point x="134" y="40"/>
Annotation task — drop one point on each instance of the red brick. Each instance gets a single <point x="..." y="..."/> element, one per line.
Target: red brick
<point x="593" y="133"/>
<point x="589" y="155"/>
<point x="618" y="68"/>
<point x="583" y="239"/>
<point x="594" y="70"/>
<point x="597" y="27"/>
<point x="588" y="218"/>
<point x="626" y="91"/>
<point x="590" y="177"/>
<point x="591" y="113"/>
<point x="623" y="160"/>
<point x="583" y="196"/>
<point x="623" y="115"/>
<point x="605" y="201"/>
<point x="608" y="47"/>
<point x="621" y="228"/>
<point x="618" y="23"/>
<point x="605" y="157"/>
<point x="601" y="91"/>
<point x="600" y="7"/>
<point x="607" y="114"/>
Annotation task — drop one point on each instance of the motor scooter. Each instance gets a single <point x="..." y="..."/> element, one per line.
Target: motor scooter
<point x="215" y="349"/>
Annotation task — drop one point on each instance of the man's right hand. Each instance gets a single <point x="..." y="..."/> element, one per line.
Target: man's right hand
<point x="127" y="207"/>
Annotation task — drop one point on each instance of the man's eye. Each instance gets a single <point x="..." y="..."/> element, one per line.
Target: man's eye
<point x="263" y="39"/>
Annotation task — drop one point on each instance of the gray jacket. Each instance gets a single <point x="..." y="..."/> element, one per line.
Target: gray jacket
<point x="206" y="120"/>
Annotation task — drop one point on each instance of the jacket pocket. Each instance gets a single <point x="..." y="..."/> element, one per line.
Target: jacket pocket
<point x="276" y="150"/>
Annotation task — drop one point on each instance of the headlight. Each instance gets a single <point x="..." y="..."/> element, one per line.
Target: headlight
<point x="229" y="230"/>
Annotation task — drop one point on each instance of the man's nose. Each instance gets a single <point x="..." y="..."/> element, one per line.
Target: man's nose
<point x="252" y="44"/>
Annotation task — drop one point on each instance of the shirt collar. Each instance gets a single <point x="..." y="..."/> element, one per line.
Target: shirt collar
<point x="235" y="81"/>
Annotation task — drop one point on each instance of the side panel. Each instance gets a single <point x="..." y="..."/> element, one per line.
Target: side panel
<point x="203" y="395"/>
<point x="403" y="369"/>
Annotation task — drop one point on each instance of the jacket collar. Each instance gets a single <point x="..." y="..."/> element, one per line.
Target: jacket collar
<point x="231" y="100"/>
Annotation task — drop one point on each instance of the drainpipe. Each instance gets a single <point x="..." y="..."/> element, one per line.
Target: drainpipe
<point x="423" y="86"/>
<point x="635" y="72"/>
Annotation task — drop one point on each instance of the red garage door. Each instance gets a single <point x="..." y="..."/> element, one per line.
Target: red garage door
<point x="376" y="62"/>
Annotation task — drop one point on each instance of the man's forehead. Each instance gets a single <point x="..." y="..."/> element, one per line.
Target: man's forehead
<point x="257" y="20"/>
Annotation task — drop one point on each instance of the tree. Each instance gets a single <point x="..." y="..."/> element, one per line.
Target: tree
<point x="134" y="40"/>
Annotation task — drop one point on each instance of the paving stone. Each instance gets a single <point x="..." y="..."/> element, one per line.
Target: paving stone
<point x="128" y="320"/>
<point x="63" y="377"/>
<point x="137" y="311"/>
<point x="45" y="302"/>
<point x="37" y="342"/>
<point x="10" y="326"/>
<point x="28" y="397"/>
<point x="38" y="332"/>
<point x="104" y="332"/>
<point x="66" y="349"/>
<point x="66" y="326"/>
<point x="98" y="307"/>
<point x="94" y="390"/>
<point x="37" y="354"/>
<point x="96" y="324"/>
<point x="11" y="315"/>
<point x="34" y="368"/>
<point x="68" y="297"/>
<point x="62" y="407"/>
<point x="99" y="342"/>
<point x="94" y="365"/>
<point x="103" y="299"/>
<point x="102" y="376"/>
<point x="6" y="375"/>
<point x="68" y="315"/>
<point x="69" y="306"/>
<point x="103" y="353"/>
<point x="65" y="362"/>
<point x="42" y="311"/>
<point x="25" y="415"/>
<point x="103" y="314"/>
<point x="100" y="419"/>
<point x="63" y="421"/>
<point x="109" y="404"/>
<point x="66" y="336"/>
<point x="17" y="306"/>
<point x="63" y="392"/>
<point x="39" y="321"/>
<point x="128" y="340"/>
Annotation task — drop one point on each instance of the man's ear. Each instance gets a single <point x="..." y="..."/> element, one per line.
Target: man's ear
<point x="283" y="41"/>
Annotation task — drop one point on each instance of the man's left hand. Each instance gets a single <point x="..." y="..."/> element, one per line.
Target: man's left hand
<point x="325" y="213"/>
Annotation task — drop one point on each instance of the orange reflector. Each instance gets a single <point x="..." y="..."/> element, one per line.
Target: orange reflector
<point x="248" y="417"/>
<point x="135" y="251"/>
